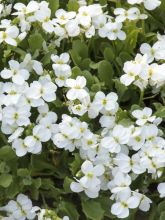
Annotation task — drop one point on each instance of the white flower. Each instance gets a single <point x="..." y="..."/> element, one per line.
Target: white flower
<point x="72" y="28"/>
<point x="126" y="164"/>
<point x="20" y="148"/>
<point x="91" y="173"/>
<point x="132" y="70"/>
<point x="134" y="1"/>
<point x="143" y="116"/>
<point x="30" y="64"/>
<point x="61" y="68"/>
<point x="77" y="90"/>
<point x="15" y="134"/>
<point x="15" y="72"/>
<point x="107" y="121"/>
<point x="65" y="218"/>
<point x="78" y="109"/>
<point x="112" y="30"/>
<point x="124" y="203"/>
<point x="155" y="52"/>
<point x="43" y="15"/>
<point x="130" y="14"/>
<point x="43" y="88"/>
<point x="119" y="136"/>
<point x="33" y="142"/>
<point x="120" y="182"/>
<point x="62" y="141"/>
<point x="150" y="132"/>
<point x="161" y="189"/>
<point x="21" y="209"/>
<point x="9" y="35"/>
<point x="62" y="16"/>
<point x="16" y="115"/>
<point x="49" y="123"/>
<point x="151" y="5"/>
<point x="89" y="141"/>
<point x="22" y="9"/>
<point x="99" y="21"/>
<point x="12" y="94"/>
<point x="148" y="4"/>
<point x="90" y="182"/>
<point x="60" y="60"/>
<point x="84" y="17"/>
<point x="95" y="10"/>
<point x="103" y="102"/>
<point x="82" y="3"/>
<point x="137" y="138"/>
<point x="145" y="202"/>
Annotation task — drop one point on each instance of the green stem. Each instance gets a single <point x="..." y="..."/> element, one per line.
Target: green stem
<point x="44" y="201"/>
<point x="141" y="97"/>
<point x="150" y="97"/>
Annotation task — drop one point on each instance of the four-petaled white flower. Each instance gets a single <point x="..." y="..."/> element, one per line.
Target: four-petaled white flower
<point x="76" y="86"/>
<point x="18" y="74"/>
<point x="125" y="202"/>
<point x="9" y="35"/>
<point x="143" y="116"/>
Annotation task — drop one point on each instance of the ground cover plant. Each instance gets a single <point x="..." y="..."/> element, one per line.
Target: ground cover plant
<point x="82" y="97"/>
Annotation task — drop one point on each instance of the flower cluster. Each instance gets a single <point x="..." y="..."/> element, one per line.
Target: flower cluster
<point x="142" y="71"/>
<point x="109" y="152"/>
<point x="20" y="209"/>
<point x="89" y="21"/>
<point x="149" y="5"/>
<point x="17" y="99"/>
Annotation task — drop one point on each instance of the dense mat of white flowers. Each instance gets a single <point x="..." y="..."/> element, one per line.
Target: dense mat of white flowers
<point x="114" y="154"/>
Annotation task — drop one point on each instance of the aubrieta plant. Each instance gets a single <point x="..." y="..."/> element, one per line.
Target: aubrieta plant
<point x="82" y="104"/>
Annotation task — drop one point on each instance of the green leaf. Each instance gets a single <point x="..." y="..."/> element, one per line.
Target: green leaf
<point x="66" y="185"/>
<point x="109" y="54"/>
<point x="135" y="107"/>
<point x="23" y="172"/>
<point x="103" y="2"/>
<point x="40" y="163"/>
<point x="46" y="59"/>
<point x="93" y="210"/>
<point x="125" y="56"/>
<point x="162" y="216"/>
<point x="160" y="112"/>
<point x="89" y="77"/>
<point x="105" y="72"/>
<point x="27" y="181"/>
<point x="53" y="5"/>
<point x="75" y="164"/>
<point x="69" y="209"/>
<point x="35" y="42"/>
<point x="5" y="180"/>
<point x="121" y="114"/>
<point x="106" y="204"/>
<point x="7" y="154"/>
<point x="96" y="87"/>
<point x="157" y="105"/>
<point x="79" y="52"/>
<point x="121" y="89"/>
<point x="14" y="188"/>
<point x="131" y="40"/>
<point x="81" y="48"/>
<point x="73" y="5"/>
<point x="76" y="71"/>
<point x="126" y="122"/>
<point x="161" y="206"/>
